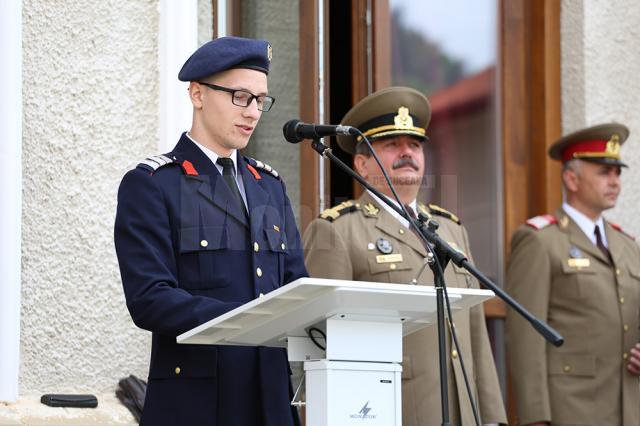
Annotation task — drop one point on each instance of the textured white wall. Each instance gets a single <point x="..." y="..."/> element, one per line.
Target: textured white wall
<point x="90" y="112"/>
<point x="601" y="83"/>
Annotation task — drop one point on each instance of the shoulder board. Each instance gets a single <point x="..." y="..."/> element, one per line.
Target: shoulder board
<point x="619" y="229"/>
<point x="437" y="210"/>
<point x="152" y="164"/>
<point x="339" y="210"/>
<point x="540" y="222"/>
<point x="424" y="210"/>
<point x="257" y="164"/>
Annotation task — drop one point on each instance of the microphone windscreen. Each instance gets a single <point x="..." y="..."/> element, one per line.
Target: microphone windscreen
<point x="289" y="131"/>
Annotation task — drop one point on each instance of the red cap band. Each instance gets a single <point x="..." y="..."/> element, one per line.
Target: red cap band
<point x="584" y="147"/>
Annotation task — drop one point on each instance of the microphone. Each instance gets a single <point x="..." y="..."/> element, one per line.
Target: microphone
<point x="295" y="131"/>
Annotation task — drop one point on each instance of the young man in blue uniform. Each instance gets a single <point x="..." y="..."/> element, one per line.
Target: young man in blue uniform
<point x="202" y="230"/>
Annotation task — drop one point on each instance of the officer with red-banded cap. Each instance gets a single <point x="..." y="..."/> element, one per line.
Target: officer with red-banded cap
<point x="581" y="274"/>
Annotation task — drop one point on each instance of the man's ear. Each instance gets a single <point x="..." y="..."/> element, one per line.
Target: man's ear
<point x="195" y="94"/>
<point x="359" y="163"/>
<point x="570" y="179"/>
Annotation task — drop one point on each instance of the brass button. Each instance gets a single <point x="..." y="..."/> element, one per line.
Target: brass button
<point x="371" y="246"/>
<point x="454" y="354"/>
<point x="617" y="271"/>
<point x="392" y="266"/>
<point x="625" y="355"/>
<point x="625" y="327"/>
<point x="621" y="300"/>
<point x="177" y="370"/>
<point x="566" y="368"/>
<point x="401" y="231"/>
<point x="204" y="243"/>
<point x="283" y="246"/>
<point x="259" y="272"/>
<point x="256" y="247"/>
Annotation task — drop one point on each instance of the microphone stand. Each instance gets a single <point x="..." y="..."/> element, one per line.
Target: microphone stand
<point x="443" y="254"/>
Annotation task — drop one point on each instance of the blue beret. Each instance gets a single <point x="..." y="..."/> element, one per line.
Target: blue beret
<point x="225" y="53"/>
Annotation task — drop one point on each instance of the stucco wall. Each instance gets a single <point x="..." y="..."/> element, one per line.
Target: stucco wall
<point x="601" y="83"/>
<point x="90" y="110"/>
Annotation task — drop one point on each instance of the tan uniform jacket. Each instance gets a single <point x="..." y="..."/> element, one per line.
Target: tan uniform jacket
<point x="561" y="277"/>
<point x="342" y="250"/>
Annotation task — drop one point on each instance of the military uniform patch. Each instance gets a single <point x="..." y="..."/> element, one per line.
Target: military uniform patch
<point x="342" y="208"/>
<point x="540" y="222"/>
<point x="384" y="246"/>
<point x="437" y="210"/>
<point x="619" y="229"/>
<point x="262" y="166"/>
<point x="152" y="164"/>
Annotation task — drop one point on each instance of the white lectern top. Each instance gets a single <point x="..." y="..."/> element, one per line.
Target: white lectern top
<point x="291" y="309"/>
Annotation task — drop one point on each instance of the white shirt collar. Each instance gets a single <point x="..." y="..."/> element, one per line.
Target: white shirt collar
<point x="213" y="156"/>
<point x="586" y="225"/>
<point x="392" y="212"/>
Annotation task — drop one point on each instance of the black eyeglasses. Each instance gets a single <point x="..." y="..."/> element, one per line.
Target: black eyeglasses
<point x="242" y="98"/>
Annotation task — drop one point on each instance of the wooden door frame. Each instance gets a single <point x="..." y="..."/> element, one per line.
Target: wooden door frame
<point x="531" y="108"/>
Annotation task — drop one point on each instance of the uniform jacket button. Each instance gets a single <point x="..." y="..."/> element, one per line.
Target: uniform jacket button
<point x="283" y="246"/>
<point x="259" y="272"/>
<point x="204" y="243"/>
<point x="256" y="247"/>
<point x="177" y="370"/>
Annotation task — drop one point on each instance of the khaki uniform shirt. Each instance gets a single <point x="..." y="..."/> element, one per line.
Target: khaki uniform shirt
<point x="561" y="277"/>
<point x="346" y="248"/>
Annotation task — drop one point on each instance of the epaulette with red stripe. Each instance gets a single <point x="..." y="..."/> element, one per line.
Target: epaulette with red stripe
<point x="257" y="164"/>
<point x="152" y="164"/>
<point x="540" y="222"/>
<point x="619" y="229"/>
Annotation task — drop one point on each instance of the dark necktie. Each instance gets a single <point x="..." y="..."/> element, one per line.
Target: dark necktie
<point x="600" y="244"/>
<point x="227" y="175"/>
<point x="412" y="213"/>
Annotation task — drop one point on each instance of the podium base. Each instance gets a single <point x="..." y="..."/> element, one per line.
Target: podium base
<point x="347" y="392"/>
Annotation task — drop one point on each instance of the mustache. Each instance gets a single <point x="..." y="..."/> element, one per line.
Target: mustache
<point x="405" y="161"/>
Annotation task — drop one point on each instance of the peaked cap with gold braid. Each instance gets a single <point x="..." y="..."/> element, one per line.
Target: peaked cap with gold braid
<point x="598" y="144"/>
<point x="388" y="112"/>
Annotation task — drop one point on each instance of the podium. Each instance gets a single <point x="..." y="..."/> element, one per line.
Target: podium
<point x="358" y="375"/>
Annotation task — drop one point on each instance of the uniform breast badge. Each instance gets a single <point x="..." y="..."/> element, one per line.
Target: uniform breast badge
<point x="576" y="259"/>
<point x="384" y="246"/>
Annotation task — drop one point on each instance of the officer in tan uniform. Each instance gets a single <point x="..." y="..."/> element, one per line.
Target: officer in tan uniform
<point x="581" y="274"/>
<point x="365" y="240"/>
